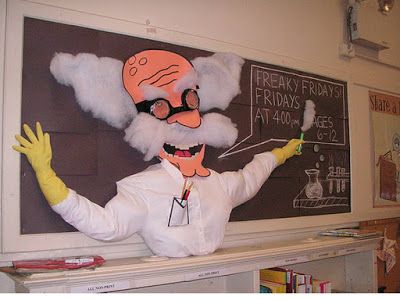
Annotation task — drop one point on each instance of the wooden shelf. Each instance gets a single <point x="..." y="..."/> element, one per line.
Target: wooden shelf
<point x="226" y="270"/>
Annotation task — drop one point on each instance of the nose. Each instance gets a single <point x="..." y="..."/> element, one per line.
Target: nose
<point x="189" y="119"/>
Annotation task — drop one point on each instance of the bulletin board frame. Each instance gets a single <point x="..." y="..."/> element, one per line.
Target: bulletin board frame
<point x="72" y="243"/>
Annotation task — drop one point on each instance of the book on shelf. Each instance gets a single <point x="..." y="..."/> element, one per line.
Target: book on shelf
<point x="272" y="287"/>
<point x="321" y="286"/>
<point x="273" y="280"/>
<point x="279" y="275"/>
<point x="302" y="283"/>
<point x="351" y="232"/>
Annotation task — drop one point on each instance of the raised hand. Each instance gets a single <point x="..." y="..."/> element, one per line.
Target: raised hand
<point x="282" y="154"/>
<point x="38" y="151"/>
<point x="37" y="148"/>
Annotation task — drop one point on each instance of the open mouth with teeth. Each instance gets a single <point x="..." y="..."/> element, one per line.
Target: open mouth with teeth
<point x="182" y="150"/>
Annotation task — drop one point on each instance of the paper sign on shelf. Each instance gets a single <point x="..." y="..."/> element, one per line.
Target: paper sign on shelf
<point x="206" y="274"/>
<point x="101" y="287"/>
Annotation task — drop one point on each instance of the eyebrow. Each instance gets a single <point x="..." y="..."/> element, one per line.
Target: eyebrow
<point x="152" y="92"/>
<point x="187" y="81"/>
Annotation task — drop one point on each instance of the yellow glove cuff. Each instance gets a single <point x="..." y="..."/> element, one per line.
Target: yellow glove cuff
<point x="280" y="155"/>
<point x="53" y="188"/>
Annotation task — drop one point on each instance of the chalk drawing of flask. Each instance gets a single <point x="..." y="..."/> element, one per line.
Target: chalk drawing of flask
<point x="313" y="188"/>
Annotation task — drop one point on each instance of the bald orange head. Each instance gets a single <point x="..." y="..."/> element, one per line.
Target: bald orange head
<point x="158" y="74"/>
<point x="157" y="68"/>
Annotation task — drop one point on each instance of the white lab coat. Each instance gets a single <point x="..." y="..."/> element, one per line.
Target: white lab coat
<point x="143" y="205"/>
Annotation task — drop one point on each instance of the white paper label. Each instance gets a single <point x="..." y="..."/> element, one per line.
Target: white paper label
<point x="321" y="255"/>
<point x="349" y="251"/>
<point x="79" y="261"/>
<point x="101" y="287"/>
<point x="206" y="274"/>
<point x="291" y="260"/>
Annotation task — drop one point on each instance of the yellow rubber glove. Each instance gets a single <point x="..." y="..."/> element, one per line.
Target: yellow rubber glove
<point x="282" y="154"/>
<point x="39" y="154"/>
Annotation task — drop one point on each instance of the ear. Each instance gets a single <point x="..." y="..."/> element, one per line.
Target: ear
<point x="219" y="79"/>
<point x="98" y="87"/>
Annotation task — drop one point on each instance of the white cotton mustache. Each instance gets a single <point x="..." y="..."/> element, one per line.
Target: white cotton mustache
<point x="148" y="134"/>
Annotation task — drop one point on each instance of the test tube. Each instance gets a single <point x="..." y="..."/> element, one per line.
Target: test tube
<point x="343" y="180"/>
<point x="338" y="181"/>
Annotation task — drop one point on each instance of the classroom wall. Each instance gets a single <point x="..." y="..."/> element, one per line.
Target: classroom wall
<point x="302" y="34"/>
<point x="308" y="30"/>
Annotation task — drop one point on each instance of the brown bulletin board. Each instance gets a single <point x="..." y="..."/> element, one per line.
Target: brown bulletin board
<point x="90" y="156"/>
<point x="389" y="282"/>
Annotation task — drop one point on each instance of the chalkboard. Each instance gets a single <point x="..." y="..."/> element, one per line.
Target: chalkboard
<point x="91" y="156"/>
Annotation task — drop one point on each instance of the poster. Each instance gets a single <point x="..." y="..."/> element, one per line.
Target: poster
<point x="385" y="117"/>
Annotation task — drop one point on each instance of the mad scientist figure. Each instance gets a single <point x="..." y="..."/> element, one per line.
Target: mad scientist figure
<point x="178" y="206"/>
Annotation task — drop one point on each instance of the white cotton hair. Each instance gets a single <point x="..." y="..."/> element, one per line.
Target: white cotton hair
<point x="233" y="62"/>
<point x="148" y="135"/>
<point x="218" y="79"/>
<point x="97" y="84"/>
<point x="309" y="113"/>
<point x="190" y="80"/>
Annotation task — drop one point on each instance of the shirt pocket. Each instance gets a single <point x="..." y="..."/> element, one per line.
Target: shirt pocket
<point x="178" y="213"/>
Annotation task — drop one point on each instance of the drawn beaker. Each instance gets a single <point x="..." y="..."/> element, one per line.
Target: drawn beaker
<point x="313" y="188"/>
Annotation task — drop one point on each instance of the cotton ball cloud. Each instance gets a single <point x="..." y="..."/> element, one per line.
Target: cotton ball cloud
<point x="218" y="79"/>
<point x="148" y="135"/>
<point x="218" y="131"/>
<point x="97" y="84"/>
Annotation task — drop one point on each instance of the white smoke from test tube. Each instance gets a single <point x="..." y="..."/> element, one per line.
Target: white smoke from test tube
<point x="309" y="114"/>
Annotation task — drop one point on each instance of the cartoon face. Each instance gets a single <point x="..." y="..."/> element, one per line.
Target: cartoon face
<point x="163" y="84"/>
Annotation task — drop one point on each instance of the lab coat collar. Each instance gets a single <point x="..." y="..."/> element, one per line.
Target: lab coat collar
<point x="172" y="171"/>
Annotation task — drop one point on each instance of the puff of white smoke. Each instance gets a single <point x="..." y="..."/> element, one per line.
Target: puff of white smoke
<point x="309" y="113"/>
<point x="218" y="79"/>
<point x="148" y="135"/>
<point x="97" y="84"/>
